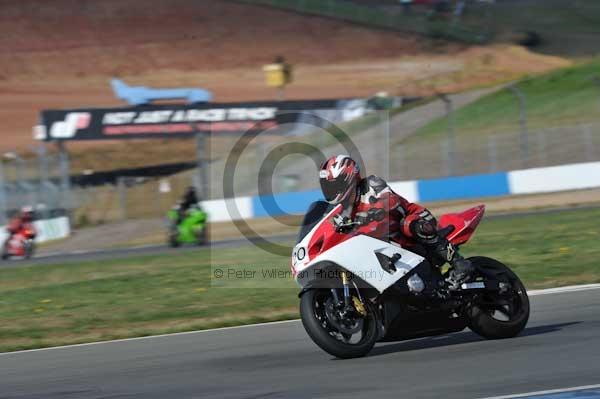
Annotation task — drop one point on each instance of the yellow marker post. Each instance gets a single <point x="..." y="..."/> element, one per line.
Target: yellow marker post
<point x="278" y="75"/>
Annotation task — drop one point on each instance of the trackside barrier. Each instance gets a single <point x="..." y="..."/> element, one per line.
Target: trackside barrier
<point x="47" y="229"/>
<point x="229" y="209"/>
<point x="555" y="178"/>
<point x="528" y="181"/>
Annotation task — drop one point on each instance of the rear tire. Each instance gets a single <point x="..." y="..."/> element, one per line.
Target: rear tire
<point x="29" y="249"/>
<point x="320" y="336"/>
<point x="172" y="238"/>
<point x="481" y="317"/>
<point x="201" y="240"/>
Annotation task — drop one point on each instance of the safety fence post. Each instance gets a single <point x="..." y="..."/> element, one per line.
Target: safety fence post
<point x="3" y="207"/>
<point x="202" y="161"/>
<point x="65" y="177"/>
<point x="386" y="143"/>
<point x="43" y="196"/>
<point x="449" y="143"/>
<point x="122" y="192"/>
<point x="588" y="142"/>
<point x="596" y="80"/>
<point x="524" y="135"/>
<point x="541" y="144"/>
<point x="492" y="153"/>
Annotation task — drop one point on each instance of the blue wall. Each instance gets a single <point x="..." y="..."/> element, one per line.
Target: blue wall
<point x="448" y="188"/>
<point x="475" y="186"/>
<point x="279" y="204"/>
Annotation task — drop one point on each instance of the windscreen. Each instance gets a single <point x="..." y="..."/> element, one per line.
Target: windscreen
<point x="315" y="213"/>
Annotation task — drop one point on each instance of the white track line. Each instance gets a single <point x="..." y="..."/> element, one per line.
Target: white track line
<point x="558" y="290"/>
<point x="271" y="323"/>
<point x="573" y="288"/>
<point x="549" y="392"/>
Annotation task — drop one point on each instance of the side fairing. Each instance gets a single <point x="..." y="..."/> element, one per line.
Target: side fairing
<point x="359" y="256"/>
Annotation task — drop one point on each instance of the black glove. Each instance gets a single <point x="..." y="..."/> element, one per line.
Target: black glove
<point x="425" y="231"/>
<point x="376" y="214"/>
<point x="343" y="224"/>
<point x="372" y="215"/>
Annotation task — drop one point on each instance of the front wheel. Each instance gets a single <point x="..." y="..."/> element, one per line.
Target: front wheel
<point x="503" y="314"/>
<point x="5" y="250"/>
<point x="173" y="235"/>
<point x="344" y="335"/>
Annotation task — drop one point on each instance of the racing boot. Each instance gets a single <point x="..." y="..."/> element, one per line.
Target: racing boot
<point x="443" y="251"/>
<point x="462" y="268"/>
<point x="461" y="272"/>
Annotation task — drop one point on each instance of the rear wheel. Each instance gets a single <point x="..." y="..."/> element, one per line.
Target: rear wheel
<point x="501" y="314"/>
<point x="342" y="334"/>
<point x="201" y="236"/>
<point x="29" y="248"/>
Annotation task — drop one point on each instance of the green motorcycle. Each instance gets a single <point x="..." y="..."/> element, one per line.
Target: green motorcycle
<point x="190" y="228"/>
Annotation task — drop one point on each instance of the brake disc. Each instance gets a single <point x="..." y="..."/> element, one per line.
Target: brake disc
<point x="343" y="323"/>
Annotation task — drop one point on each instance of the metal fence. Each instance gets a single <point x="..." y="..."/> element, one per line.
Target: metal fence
<point x="425" y="157"/>
<point x="276" y="163"/>
<point x="130" y="198"/>
<point x="414" y="158"/>
<point x="419" y="158"/>
<point x="40" y="182"/>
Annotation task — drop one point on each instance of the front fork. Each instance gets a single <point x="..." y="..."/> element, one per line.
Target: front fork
<point x="351" y="303"/>
<point x="346" y="290"/>
<point x="346" y="286"/>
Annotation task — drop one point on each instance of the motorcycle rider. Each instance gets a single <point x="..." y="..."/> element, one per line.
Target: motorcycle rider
<point x="189" y="200"/>
<point x="24" y="220"/>
<point x="370" y="201"/>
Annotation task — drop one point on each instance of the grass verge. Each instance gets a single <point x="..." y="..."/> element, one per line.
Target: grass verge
<point x="564" y="97"/>
<point x="91" y="301"/>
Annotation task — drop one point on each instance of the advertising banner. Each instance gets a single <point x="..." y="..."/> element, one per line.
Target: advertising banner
<point x="186" y="120"/>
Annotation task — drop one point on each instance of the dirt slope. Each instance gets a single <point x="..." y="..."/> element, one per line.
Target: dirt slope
<point x="90" y="37"/>
<point x="61" y="53"/>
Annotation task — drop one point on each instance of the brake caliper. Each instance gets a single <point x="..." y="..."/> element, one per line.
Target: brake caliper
<point x="359" y="306"/>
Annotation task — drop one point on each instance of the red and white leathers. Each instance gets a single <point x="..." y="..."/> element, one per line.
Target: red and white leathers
<point x="385" y="214"/>
<point x="18" y="224"/>
<point x="371" y="206"/>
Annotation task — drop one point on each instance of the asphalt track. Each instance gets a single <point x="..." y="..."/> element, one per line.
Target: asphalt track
<point x="150" y="250"/>
<point x="559" y="349"/>
<point x="123" y="253"/>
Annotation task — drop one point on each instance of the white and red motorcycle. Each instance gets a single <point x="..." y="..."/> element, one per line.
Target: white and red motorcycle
<point x="358" y="290"/>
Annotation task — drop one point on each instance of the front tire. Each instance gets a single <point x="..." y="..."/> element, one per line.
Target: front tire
<point x="512" y="307"/>
<point x="317" y="327"/>
<point x="5" y="250"/>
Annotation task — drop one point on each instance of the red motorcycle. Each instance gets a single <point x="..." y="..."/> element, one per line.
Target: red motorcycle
<point x="358" y="290"/>
<point x="20" y="243"/>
